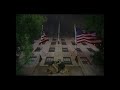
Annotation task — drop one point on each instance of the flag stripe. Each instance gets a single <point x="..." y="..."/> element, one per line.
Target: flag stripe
<point x="84" y="40"/>
<point x="86" y="37"/>
<point x="82" y="35"/>
<point x="44" y="38"/>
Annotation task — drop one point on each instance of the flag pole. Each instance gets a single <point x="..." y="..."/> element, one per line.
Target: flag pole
<point x="75" y="36"/>
<point x="58" y="32"/>
<point x="41" y="34"/>
<point x="42" y="30"/>
<point x="76" y="58"/>
<point x="75" y="39"/>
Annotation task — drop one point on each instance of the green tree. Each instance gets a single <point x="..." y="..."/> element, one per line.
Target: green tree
<point x="95" y="23"/>
<point x="28" y="27"/>
<point x="98" y="58"/>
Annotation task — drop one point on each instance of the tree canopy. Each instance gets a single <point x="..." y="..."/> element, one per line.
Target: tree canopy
<point x="95" y="23"/>
<point x="28" y="28"/>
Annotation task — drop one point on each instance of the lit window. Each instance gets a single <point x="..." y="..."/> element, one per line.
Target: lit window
<point x="91" y="50"/>
<point x="65" y="49"/>
<point x="51" y="49"/>
<point x="54" y="39"/>
<point x="62" y="39"/>
<point x="53" y="43"/>
<point x="67" y="60"/>
<point x="78" y="49"/>
<point x="49" y="60"/>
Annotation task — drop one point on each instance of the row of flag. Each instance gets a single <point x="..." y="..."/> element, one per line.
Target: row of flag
<point x="80" y="36"/>
<point x="86" y="37"/>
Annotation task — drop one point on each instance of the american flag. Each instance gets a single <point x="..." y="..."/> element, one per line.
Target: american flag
<point x="86" y="37"/>
<point x="44" y="38"/>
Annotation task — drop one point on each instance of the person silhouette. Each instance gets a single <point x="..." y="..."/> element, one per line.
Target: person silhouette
<point x="76" y="59"/>
<point x="40" y="59"/>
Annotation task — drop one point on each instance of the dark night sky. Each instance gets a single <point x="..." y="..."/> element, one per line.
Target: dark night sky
<point x="67" y="22"/>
